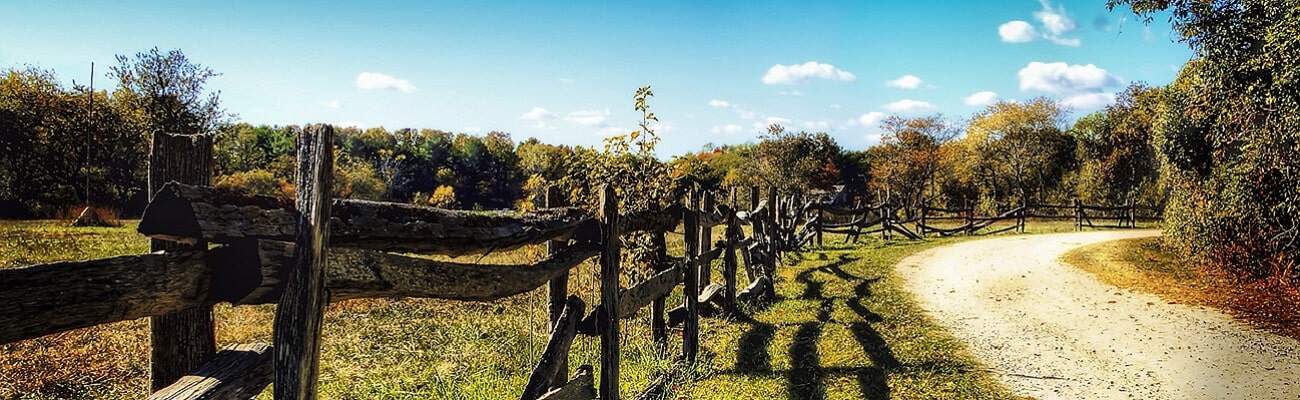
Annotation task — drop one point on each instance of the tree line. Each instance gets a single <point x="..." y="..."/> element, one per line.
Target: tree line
<point x="1217" y="148"/>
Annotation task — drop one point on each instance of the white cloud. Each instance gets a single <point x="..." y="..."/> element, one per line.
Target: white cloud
<point x="1088" y="101"/>
<point x="375" y="80"/>
<point x="871" y="119"/>
<point x="661" y="127"/>
<point x="790" y="93"/>
<point x="588" y="117"/>
<point x="540" y="117"/>
<point x="1017" y="32"/>
<point x="1054" y="20"/>
<point x="908" y="105"/>
<point x="981" y="98"/>
<point x="715" y="103"/>
<point x="728" y="129"/>
<point x="345" y="124"/>
<point x="799" y="73"/>
<point x="905" y="82"/>
<point x="769" y="121"/>
<point x="835" y="106"/>
<point x="1059" y="77"/>
<point x="332" y="104"/>
<point x="567" y="81"/>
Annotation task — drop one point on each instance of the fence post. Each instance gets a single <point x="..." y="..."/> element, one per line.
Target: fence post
<point x="609" y="288"/>
<point x="821" y="219"/>
<point x="969" y="214"/>
<point x="1078" y="215"/>
<point x="691" y="292"/>
<point x="706" y="240"/>
<point x="920" y="223"/>
<point x="658" y="326"/>
<point x="773" y="230"/>
<point x="302" y="305"/>
<point x="732" y="234"/>
<point x="753" y="197"/>
<point x="558" y="288"/>
<point x="1020" y="222"/>
<point x="887" y="212"/>
<point x="182" y="341"/>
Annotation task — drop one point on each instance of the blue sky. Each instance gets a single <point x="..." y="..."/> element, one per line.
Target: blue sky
<point x="565" y="72"/>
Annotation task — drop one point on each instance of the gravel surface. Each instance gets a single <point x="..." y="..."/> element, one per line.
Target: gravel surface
<point x="1051" y="331"/>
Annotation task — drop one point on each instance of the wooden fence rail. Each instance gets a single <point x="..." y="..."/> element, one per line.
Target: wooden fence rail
<point x="222" y="246"/>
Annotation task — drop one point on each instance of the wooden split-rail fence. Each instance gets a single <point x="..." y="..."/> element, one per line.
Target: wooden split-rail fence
<point x="220" y="246"/>
<point x="884" y="218"/>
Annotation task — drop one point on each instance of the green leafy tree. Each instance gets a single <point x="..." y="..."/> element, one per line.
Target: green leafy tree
<point x="169" y="92"/>
<point x="1228" y="133"/>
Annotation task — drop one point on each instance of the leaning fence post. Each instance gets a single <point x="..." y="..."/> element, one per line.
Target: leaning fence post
<point x="706" y="240"/>
<point x="1024" y="208"/>
<point x="773" y="232"/>
<point x="182" y="341"/>
<point x="659" y="326"/>
<point x="691" y="292"/>
<point x="302" y="305"/>
<point x="558" y="288"/>
<point x="609" y="288"/>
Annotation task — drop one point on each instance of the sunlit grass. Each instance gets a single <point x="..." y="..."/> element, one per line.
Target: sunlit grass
<point x="418" y="348"/>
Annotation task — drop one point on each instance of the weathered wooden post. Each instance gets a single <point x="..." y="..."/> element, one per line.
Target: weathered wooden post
<point x="821" y="218"/>
<point x="302" y="305"/>
<point x="180" y="342"/>
<point x="753" y="197"/>
<point x="733" y="235"/>
<point x="1020" y="222"/>
<point x="609" y="288"/>
<point x="1078" y="215"/>
<point x="969" y="213"/>
<point x="706" y="240"/>
<point x="659" y="326"/>
<point x="691" y="291"/>
<point x="773" y="233"/>
<point x="920" y="223"/>
<point x="558" y="287"/>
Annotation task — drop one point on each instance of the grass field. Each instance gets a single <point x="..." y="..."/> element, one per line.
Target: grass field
<point x="1144" y="264"/>
<point x="844" y="327"/>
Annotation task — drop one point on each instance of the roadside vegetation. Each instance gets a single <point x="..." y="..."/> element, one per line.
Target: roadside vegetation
<point x="1146" y="264"/>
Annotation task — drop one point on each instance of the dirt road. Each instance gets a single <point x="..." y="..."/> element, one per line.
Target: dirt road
<point x="1054" y="332"/>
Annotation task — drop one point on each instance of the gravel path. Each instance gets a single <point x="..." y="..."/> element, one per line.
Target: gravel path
<point x="1051" y="331"/>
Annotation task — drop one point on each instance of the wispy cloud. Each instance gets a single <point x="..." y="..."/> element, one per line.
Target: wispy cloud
<point x="1017" y="32"/>
<point x="728" y="129"/>
<point x="908" y="106"/>
<point x="375" y="80"/>
<point x="333" y="104"/>
<point x="595" y="118"/>
<point x="715" y="103"/>
<point x="540" y="117"/>
<point x="980" y="99"/>
<point x="905" y="82"/>
<point x="780" y="74"/>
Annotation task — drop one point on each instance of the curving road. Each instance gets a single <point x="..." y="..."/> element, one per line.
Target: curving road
<point x="1051" y="331"/>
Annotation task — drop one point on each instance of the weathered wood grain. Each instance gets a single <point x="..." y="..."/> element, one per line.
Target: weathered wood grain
<point x="68" y="295"/>
<point x="579" y="388"/>
<point x="651" y="220"/>
<point x="187" y="214"/>
<point x="236" y="372"/>
<point x="301" y="312"/>
<point x="609" y="290"/>
<point x="182" y="340"/>
<point x="556" y="353"/>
